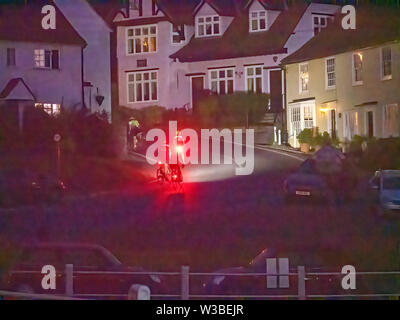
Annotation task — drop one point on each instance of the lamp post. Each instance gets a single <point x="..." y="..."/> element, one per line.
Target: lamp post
<point x="57" y="139"/>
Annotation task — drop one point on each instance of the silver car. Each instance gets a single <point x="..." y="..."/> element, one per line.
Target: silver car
<point x="386" y="188"/>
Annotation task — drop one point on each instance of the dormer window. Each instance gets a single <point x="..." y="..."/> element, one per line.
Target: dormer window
<point x="258" y="21"/>
<point x="178" y="34"/>
<point x="136" y="5"/>
<point x="320" y="22"/>
<point x="208" y="26"/>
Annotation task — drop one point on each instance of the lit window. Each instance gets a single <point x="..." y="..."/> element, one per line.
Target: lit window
<point x="258" y="21"/>
<point x="351" y="125"/>
<point x="222" y="81"/>
<point x="11" y="57"/>
<point x="308" y="117"/>
<point x="208" y="26"/>
<point x="301" y="117"/>
<point x="357" y="68"/>
<point x="254" y="79"/>
<point x="50" y="108"/>
<point x="46" y="59"/>
<point x="142" y="86"/>
<point x="142" y="39"/>
<point x="320" y="22"/>
<point x="304" y="77"/>
<point x="178" y="34"/>
<point x="391" y="120"/>
<point x="330" y="73"/>
<point x="386" y="63"/>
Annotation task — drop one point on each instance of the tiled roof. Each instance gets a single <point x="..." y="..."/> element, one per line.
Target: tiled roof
<point x="179" y="11"/>
<point x="107" y="9"/>
<point x="270" y="4"/>
<point x="237" y="41"/>
<point x="24" y="23"/>
<point x="375" y="25"/>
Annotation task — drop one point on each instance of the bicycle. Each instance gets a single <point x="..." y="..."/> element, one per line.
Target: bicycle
<point x="170" y="173"/>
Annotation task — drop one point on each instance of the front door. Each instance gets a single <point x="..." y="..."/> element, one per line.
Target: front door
<point x="275" y="78"/>
<point x="197" y="91"/>
<point x="332" y="123"/>
<point x="370" y="124"/>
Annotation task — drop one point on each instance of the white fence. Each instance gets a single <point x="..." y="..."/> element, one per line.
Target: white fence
<point x="184" y="292"/>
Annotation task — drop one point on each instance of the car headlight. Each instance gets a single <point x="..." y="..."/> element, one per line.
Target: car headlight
<point x="218" y="280"/>
<point x="155" y="278"/>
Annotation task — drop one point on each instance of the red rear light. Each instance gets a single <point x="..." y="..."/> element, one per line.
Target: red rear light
<point x="179" y="149"/>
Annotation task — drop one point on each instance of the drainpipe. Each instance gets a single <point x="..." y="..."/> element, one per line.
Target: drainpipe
<point x="82" y="79"/>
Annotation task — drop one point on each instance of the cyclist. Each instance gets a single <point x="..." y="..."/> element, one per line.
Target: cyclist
<point x="172" y="171"/>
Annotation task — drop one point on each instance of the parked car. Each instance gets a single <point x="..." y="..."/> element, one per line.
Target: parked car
<point x="246" y="280"/>
<point x="25" y="274"/>
<point x="327" y="176"/>
<point x="306" y="182"/>
<point x="385" y="188"/>
<point x="20" y="186"/>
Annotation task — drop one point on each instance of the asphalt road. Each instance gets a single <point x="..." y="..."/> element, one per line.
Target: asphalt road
<point x="220" y="219"/>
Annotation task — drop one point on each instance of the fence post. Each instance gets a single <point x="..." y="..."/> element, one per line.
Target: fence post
<point x="301" y="282"/>
<point x="279" y="137"/>
<point x="295" y="139"/>
<point x="185" y="283"/>
<point x="275" y="137"/>
<point x="69" y="280"/>
<point x="139" y="292"/>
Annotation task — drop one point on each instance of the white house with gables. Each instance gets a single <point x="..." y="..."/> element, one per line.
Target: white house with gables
<point x="170" y="50"/>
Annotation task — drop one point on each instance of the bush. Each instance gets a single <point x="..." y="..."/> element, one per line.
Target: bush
<point x="306" y="136"/>
<point x="325" y="139"/>
<point x="86" y="134"/>
<point x="381" y="154"/>
<point x="232" y="110"/>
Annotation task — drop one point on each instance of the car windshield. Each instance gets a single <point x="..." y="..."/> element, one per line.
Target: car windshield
<point x="308" y="167"/>
<point x="391" y="183"/>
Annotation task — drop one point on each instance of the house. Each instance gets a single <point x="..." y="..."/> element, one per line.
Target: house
<point x="346" y="82"/>
<point x="39" y="68"/>
<point x="169" y="51"/>
<point x="94" y="29"/>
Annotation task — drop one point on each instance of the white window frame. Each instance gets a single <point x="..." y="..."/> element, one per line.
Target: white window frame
<point x="41" y="52"/>
<point x="386" y="134"/>
<point x="218" y="79"/>
<point x="302" y="108"/>
<point x="204" y="23"/>
<point x="176" y="33"/>
<point x="11" y="59"/>
<point x="142" y="36"/>
<point x="327" y="86"/>
<point x="346" y="129"/>
<point x="319" y="25"/>
<point x="389" y="76"/>
<point x="254" y="77"/>
<point x="134" y="5"/>
<point x="258" y="19"/>
<point x="142" y="82"/>
<point x="301" y="91"/>
<point x="353" y="70"/>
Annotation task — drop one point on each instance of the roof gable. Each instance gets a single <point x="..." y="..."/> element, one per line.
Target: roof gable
<point x="269" y="4"/>
<point x="228" y="8"/>
<point x="375" y="26"/>
<point x="24" y="23"/>
<point x="237" y="41"/>
<point x="17" y="89"/>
